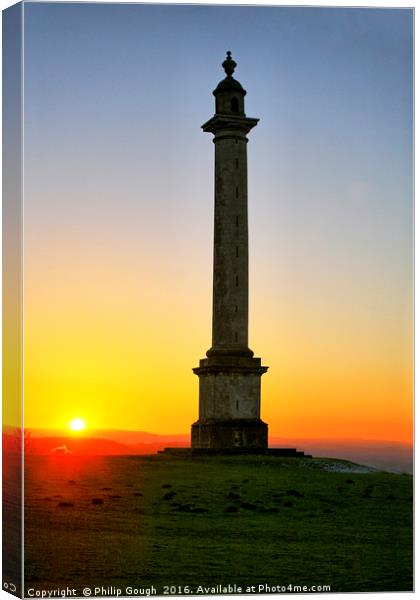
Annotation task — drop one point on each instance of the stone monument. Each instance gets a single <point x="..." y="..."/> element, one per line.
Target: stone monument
<point x="230" y="376"/>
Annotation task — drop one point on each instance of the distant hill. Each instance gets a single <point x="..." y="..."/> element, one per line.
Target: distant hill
<point x="382" y="454"/>
<point x="82" y="445"/>
<point x="124" y="437"/>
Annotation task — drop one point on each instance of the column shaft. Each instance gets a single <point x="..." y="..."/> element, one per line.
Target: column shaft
<point x="230" y="260"/>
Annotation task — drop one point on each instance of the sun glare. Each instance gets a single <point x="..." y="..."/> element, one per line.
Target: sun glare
<point x="77" y="424"/>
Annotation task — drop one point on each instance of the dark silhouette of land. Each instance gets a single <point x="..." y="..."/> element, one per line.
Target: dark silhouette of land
<point x="12" y="519"/>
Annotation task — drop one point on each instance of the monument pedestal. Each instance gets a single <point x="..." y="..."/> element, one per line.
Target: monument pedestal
<point x="229" y="404"/>
<point x="239" y="434"/>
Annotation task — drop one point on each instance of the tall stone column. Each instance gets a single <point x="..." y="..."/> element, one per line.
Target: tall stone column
<point x="230" y="377"/>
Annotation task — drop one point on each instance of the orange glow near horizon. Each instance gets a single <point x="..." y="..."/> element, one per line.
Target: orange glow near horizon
<point x="124" y="360"/>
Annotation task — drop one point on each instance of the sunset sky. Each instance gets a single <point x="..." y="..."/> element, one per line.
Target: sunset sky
<point x="118" y="213"/>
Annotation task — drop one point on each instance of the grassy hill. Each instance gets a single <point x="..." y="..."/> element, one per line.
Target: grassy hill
<point x="206" y="521"/>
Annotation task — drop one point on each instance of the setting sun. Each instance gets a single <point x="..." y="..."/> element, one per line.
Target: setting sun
<point x="77" y="424"/>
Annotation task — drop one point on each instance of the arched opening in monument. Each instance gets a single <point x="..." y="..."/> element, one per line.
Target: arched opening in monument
<point x="234" y="104"/>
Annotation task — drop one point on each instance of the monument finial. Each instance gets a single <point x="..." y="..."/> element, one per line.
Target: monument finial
<point x="229" y="64"/>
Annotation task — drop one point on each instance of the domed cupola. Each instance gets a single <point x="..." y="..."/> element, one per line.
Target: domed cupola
<point x="229" y="93"/>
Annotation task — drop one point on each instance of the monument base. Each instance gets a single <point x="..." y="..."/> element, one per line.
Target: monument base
<point x="229" y="405"/>
<point x="238" y="434"/>
<point x="280" y="452"/>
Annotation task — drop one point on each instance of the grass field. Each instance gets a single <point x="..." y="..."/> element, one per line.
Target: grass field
<point x="162" y="520"/>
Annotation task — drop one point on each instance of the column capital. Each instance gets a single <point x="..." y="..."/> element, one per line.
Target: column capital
<point x="220" y="123"/>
